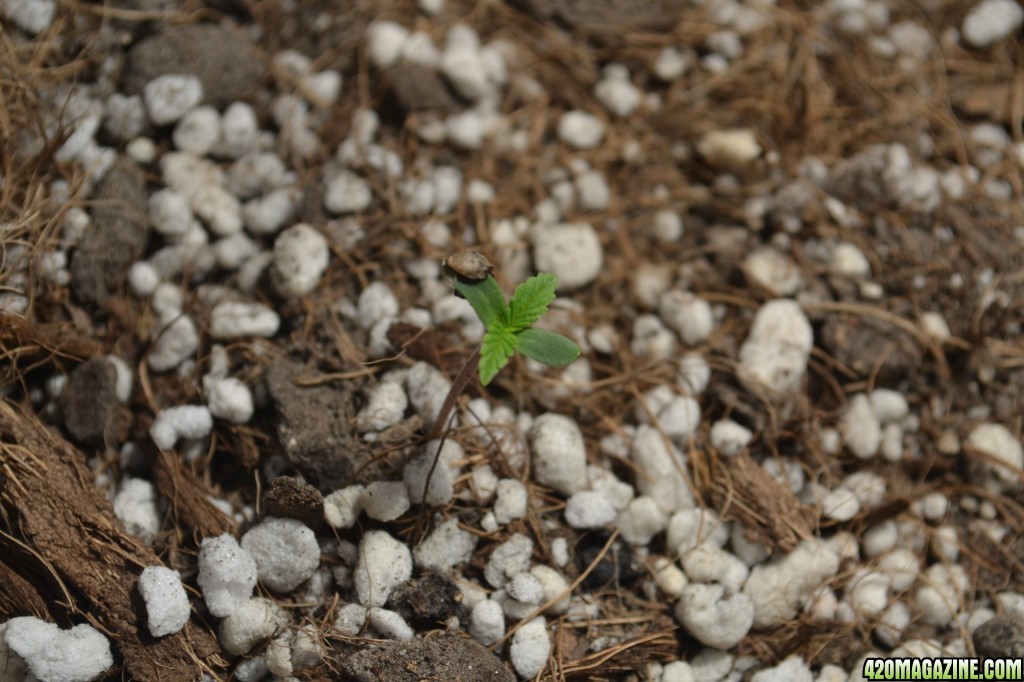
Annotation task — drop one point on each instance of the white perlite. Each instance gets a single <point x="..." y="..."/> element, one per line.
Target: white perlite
<point x="169" y="212"/>
<point x="508" y="559"/>
<point x="385" y="41"/>
<point x="174" y="341"/>
<point x="792" y="669"/>
<point x="383" y="564"/>
<point x="385" y="500"/>
<point x="385" y="406"/>
<point x="778" y="588"/>
<point x="708" y="563"/>
<point x="300" y="258"/>
<point x="580" y="129"/>
<point x="1003" y="451"/>
<point x="714" y="616"/>
<point x="343" y="507"/>
<point x="734" y="148"/>
<point x="487" y="622"/>
<point x="53" y="655"/>
<point x="641" y="520"/>
<point x="848" y="261"/>
<point x="660" y="470"/>
<point x="234" y="319"/>
<point x="445" y="548"/>
<point x="285" y="550"/>
<point x="347" y="193"/>
<point x="775" y="354"/>
<point x="252" y="622"/>
<point x="390" y="624"/>
<point x="439" y="486"/>
<point x="31" y="16"/>
<point x="530" y="648"/>
<point x="183" y="421"/>
<point x="349" y="619"/>
<point x="170" y="97"/>
<point x="572" y="251"/>
<point x="990" y="21"/>
<point x="227" y="575"/>
<point x="512" y="500"/>
<point x="559" y="454"/>
<point x="861" y="429"/>
<point x="729" y="438"/>
<point x="589" y="509"/>
<point x="198" y="131"/>
<point x="228" y="398"/>
<point x="167" y="607"/>
<point x="136" y="505"/>
<point x="689" y="315"/>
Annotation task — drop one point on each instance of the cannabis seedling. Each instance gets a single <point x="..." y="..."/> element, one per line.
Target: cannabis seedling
<point x="509" y="327"/>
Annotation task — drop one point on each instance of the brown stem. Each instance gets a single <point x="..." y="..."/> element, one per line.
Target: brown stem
<point x="458" y="386"/>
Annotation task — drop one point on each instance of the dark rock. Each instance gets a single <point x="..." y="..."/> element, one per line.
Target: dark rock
<point x="618" y="567"/>
<point x="415" y="87"/>
<point x="118" y="235"/>
<point x="871" y="347"/>
<point x="89" y="400"/>
<point x="447" y="658"/>
<point x="223" y="57"/>
<point x="314" y="427"/>
<point x="1001" y="637"/>
<point x="288" y="498"/>
<point x="426" y="602"/>
<point x="602" y="16"/>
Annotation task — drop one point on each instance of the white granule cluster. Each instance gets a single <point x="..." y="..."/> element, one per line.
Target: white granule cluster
<point x="663" y="467"/>
<point x="170" y="97"/>
<point x="430" y="484"/>
<point x="580" y="129"/>
<point x="251" y="622"/>
<point x="285" y="551"/>
<point x="300" y="258"/>
<point x="570" y="251"/>
<point x="167" y="607"/>
<point x="228" y="398"/>
<point x="445" y="548"/>
<point x="385" y="406"/>
<point x="778" y="588"/>
<point x="559" y="454"/>
<point x="716" y="616"/>
<point x="235" y="319"/>
<point x="589" y="509"/>
<point x="227" y="575"/>
<point x="776" y="351"/>
<point x="385" y="500"/>
<point x="183" y="421"/>
<point x="343" y="507"/>
<point x="1002" y="455"/>
<point x="137" y="506"/>
<point x="508" y="559"/>
<point x="384" y="563"/>
<point x="990" y="21"/>
<point x="75" y="655"/>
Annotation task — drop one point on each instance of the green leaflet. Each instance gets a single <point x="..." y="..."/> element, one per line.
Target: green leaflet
<point x="531" y="300"/>
<point x="498" y="346"/>
<point x="487" y="300"/>
<point x="508" y="324"/>
<point x="547" y="347"/>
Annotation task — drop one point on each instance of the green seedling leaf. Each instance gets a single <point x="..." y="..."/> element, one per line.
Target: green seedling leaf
<point x="498" y="346"/>
<point x="547" y="347"/>
<point x="531" y="300"/>
<point x="487" y="300"/>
